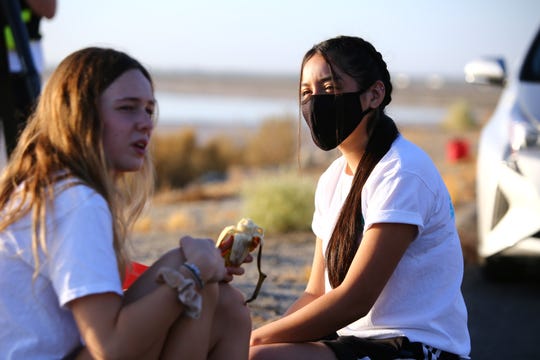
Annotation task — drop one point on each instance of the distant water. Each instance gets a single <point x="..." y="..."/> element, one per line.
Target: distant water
<point x="176" y="108"/>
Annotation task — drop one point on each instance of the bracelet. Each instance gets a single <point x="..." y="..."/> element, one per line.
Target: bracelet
<point x="187" y="295"/>
<point x="194" y="269"/>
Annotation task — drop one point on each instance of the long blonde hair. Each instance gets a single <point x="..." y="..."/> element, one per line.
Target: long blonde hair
<point x="63" y="138"/>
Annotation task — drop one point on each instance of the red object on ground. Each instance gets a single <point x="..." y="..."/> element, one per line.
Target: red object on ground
<point x="457" y="149"/>
<point x="133" y="273"/>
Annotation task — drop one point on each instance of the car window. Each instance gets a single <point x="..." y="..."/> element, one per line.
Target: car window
<point x="531" y="67"/>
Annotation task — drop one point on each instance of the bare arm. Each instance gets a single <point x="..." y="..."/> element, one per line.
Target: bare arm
<point x="315" y="285"/>
<point x="314" y="289"/>
<point x="381" y="249"/>
<point x="115" y="328"/>
<point x="109" y="329"/>
<point x="46" y="8"/>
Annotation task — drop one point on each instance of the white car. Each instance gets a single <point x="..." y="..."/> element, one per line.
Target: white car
<point x="508" y="165"/>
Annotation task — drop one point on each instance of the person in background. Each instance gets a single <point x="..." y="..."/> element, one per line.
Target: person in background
<point x="76" y="182"/>
<point x="20" y="100"/>
<point x="387" y="269"/>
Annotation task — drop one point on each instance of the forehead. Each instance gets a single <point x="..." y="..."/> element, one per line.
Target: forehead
<point x="316" y="68"/>
<point x="131" y="84"/>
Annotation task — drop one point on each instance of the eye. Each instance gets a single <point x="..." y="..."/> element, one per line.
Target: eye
<point x="305" y="93"/>
<point x="329" y="88"/>
<point x="127" y="108"/>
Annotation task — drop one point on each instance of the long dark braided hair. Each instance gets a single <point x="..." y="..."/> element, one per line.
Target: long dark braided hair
<point x="360" y="60"/>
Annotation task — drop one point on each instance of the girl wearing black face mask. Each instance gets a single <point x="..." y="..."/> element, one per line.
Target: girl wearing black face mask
<point x="387" y="270"/>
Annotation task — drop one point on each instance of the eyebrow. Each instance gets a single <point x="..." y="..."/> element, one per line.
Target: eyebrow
<point x="334" y="78"/>
<point x="136" y="99"/>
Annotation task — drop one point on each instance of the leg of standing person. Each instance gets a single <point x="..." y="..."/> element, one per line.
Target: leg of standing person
<point x="6" y="105"/>
<point x="22" y="104"/>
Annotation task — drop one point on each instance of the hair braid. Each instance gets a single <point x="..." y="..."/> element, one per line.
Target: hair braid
<point x="360" y="60"/>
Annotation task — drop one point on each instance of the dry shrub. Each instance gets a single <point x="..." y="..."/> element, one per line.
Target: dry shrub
<point x="274" y="143"/>
<point x="179" y="159"/>
<point x="226" y="150"/>
<point x="172" y="155"/>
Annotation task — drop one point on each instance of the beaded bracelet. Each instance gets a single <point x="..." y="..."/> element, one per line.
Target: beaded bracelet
<point x="187" y="295"/>
<point x="194" y="269"/>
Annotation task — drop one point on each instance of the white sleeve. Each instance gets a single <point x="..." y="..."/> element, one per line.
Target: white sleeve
<point x="81" y="259"/>
<point x="399" y="198"/>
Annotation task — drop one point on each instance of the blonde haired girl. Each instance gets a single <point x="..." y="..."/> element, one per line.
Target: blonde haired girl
<point x="76" y="182"/>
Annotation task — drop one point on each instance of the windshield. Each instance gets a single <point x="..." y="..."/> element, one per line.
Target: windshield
<point x="531" y="66"/>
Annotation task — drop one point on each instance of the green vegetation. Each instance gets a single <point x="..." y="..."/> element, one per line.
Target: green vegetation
<point x="459" y="117"/>
<point x="280" y="203"/>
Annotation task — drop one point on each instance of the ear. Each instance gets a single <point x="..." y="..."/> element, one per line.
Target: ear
<point x="376" y="94"/>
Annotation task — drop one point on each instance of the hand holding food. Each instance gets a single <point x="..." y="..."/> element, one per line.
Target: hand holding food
<point x="203" y="253"/>
<point x="246" y="236"/>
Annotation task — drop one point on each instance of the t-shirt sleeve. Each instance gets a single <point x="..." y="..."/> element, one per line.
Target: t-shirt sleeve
<point x="81" y="259"/>
<point x="317" y="224"/>
<point x="399" y="198"/>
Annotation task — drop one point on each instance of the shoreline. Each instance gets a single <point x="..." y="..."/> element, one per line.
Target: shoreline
<point x="415" y="90"/>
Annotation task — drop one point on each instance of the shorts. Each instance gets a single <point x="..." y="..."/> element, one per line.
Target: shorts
<point x="355" y="348"/>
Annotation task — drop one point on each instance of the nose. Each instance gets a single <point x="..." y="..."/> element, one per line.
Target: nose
<point x="318" y="90"/>
<point x="145" y="122"/>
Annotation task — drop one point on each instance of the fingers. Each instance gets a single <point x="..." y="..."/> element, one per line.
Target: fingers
<point x="203" y="253"/>
<point x="235" y="270"/>
<point x="248" y="259"/>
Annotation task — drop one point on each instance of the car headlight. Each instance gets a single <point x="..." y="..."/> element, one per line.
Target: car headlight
<point x="523" y="134"/>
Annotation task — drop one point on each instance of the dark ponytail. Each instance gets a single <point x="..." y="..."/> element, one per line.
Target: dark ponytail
<point x="360" y="60"/>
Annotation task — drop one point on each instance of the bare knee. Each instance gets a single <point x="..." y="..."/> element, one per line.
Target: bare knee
<point x="261" y="352"/>
<point x="231" y="306"/>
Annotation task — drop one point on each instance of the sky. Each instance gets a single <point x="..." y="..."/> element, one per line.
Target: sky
<point x="415" y="37"/>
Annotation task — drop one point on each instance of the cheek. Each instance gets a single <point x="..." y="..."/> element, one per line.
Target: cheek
<point x="111" y="140"/>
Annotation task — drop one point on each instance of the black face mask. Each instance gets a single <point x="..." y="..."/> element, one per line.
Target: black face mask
<point x="333" y="117"/>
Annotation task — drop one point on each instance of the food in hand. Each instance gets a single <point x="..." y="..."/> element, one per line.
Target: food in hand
<point x="245" y="236"/>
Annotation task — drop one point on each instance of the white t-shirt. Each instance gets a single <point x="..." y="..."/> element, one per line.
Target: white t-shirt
<point x="422" y="299"/>
<point x="34" y="322"/>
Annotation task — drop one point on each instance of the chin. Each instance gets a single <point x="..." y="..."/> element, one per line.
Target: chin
<point x="126" y="168"/>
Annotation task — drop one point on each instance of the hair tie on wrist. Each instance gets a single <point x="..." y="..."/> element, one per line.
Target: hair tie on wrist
<point x="187" y="295"/>
<point x="194" y="269"/>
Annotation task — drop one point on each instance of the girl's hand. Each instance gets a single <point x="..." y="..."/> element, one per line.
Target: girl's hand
<point x="233" y="270"/>
<point x="203" y="253"/>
